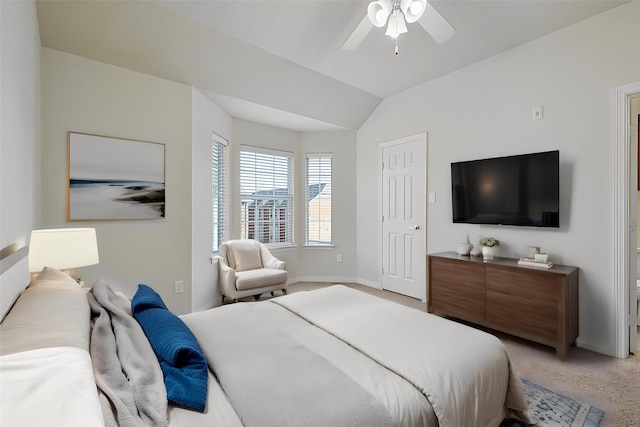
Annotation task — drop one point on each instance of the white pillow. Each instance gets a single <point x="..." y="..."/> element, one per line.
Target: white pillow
<point x="50" y="314"/>
<point x="246" y="255"/>
<point x="51" y="277"/>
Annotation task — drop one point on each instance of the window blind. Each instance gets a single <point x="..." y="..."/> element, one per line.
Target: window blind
<point x="266" y="193"/>
<point x="218" y="190"/>
<point x="318" y="200"/>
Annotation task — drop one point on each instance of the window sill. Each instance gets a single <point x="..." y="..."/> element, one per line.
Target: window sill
<point x="276" y="247"/>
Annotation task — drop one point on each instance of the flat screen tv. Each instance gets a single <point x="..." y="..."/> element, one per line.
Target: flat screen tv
<point x="515" y="190"/>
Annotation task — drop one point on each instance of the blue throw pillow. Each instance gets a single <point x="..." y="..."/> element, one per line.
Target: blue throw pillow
<point x="182" y="361"/>
<point x="145" y="298"/>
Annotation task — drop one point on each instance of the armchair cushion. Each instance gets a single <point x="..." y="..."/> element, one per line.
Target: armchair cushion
<point x="259" y="278"/>
<point x="246" y="254"/>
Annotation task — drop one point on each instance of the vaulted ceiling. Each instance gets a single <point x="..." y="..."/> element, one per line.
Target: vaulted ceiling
<point x="281" y="62"/>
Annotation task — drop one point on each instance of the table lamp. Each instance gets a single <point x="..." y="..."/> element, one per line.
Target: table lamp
<point x="63" y="249"/>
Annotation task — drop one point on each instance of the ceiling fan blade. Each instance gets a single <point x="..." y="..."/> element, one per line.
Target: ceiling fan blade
<point x="436" y="25"/>
<point x="358" y="34"/>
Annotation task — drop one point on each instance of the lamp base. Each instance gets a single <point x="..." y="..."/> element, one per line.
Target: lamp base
<point x="70" y="273"/>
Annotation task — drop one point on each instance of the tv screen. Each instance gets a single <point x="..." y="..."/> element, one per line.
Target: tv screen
<point x="515" y="190"/>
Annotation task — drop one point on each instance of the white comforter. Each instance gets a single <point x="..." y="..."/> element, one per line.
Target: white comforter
<point x="418" y="366"/>
<point x="465" y="373"/>
<point x="49" y="386"/>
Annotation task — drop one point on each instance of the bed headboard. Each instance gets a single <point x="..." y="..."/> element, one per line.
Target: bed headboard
<point x="14" y="275"/>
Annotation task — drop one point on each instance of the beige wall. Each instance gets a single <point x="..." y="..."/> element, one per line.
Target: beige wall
<point x="207" y="119"/>
<point x="87" y="96"/>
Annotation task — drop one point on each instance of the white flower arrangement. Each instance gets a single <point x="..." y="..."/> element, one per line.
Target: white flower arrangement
<point x="489" y="242"/>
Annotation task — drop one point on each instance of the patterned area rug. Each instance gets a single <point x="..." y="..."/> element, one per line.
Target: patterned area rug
<point x="550" y="409"/>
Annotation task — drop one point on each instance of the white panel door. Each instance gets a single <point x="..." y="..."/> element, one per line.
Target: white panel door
<point x="404" y="175"/>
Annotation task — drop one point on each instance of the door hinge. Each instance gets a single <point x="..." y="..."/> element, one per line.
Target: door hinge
<point x="633" y="225"/>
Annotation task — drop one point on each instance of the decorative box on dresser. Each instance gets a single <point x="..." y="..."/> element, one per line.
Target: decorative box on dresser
<point x="534" y="303"/>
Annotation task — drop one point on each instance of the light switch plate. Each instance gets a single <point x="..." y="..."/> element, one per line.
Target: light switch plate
<point x="537" y="113"/>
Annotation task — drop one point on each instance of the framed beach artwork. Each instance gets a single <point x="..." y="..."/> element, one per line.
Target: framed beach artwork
<point x="114" y="178"/>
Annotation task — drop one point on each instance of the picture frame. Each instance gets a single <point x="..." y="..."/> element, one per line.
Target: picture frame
<point x="112" y="178"/>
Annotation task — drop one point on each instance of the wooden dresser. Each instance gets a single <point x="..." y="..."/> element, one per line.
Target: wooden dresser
<point x="534" y="303"/>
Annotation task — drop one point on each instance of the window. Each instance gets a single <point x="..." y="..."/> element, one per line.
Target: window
<point x="219" y="190"/>
<point x="266" y="195"/>
<point x="318" y="200"/>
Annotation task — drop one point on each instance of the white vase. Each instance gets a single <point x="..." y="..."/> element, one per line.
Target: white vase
<point x="488" y="252"/>
<point x="464" y="248"/>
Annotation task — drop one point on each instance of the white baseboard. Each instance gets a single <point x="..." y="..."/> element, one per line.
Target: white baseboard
<point x="321" y="279"/>
<point x="607" y="350"/>
<point x="370" y="283"/>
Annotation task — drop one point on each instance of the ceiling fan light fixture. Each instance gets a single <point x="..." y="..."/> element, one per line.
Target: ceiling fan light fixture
<point x="413" y="9"/>
<point x="397" y="25"/>
<point x="398" y="13"/>
<point x="379" y="11"/>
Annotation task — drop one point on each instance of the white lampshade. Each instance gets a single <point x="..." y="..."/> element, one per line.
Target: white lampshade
<point x="397" y="25"/>
<point x="379" y="11"/>
<point x="62" y="248"/>
<point x="413" y="9"/>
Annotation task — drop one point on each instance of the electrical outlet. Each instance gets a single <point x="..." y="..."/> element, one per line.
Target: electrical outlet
<point x="179" y="287"/>
<point x="339" y="258"/>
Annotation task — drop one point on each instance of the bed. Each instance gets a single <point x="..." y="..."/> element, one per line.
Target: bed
<point x="329" y="357"/>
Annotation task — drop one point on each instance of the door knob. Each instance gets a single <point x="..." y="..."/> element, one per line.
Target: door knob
<point x="415" y="227"/>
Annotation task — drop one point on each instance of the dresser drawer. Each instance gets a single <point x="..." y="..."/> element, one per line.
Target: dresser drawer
<point x="456" y="288"/>
<point x="522" y="301"/>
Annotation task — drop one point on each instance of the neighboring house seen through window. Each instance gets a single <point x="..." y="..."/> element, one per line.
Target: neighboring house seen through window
<point x="318" y="200"/>
<point x="266" y="195"/>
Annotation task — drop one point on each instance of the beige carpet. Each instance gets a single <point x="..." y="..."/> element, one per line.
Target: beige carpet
<point x="608" y="383"/>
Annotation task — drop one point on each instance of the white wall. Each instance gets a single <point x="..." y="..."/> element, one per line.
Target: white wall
<point x="19" y="140"/>
<point x="316" y="263"/>
<point x="87" y="96"/>
<point x="207" y="119"/>
<point x="484" y="110"/>
<point x="303" y="263"/>
<point x="259" y="135"/>
<point x="19" y="121"/>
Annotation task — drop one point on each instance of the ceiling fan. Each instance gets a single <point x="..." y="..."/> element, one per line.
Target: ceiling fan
<point x="397" y="13"/>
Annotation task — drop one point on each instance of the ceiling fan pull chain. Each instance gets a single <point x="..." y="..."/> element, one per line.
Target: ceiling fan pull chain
<point x="396" y="45"/>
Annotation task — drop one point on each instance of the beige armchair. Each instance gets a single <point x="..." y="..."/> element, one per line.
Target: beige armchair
<point x="246" y="267"/>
